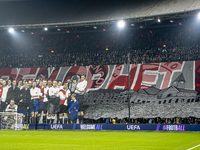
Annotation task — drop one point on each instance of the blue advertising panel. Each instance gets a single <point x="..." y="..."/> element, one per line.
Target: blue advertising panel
<point x="116" y="127"/>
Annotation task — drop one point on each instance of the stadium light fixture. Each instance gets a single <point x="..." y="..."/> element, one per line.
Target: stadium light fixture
<point x="46" y="29"/>
<point x="95" y="27"/>
<point x="22" y="31"/>
<point x="121" y="23"/>
<point x="132" y="24"/>
<point x="58" y="29"/>
<point x="159" y="20"/>
<point x="11" y="30"/>
<point x="171" y="21"/>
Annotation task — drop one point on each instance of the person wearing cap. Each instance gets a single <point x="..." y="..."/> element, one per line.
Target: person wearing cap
<point x="80" y="90"/>
<point x="73" y="108"/>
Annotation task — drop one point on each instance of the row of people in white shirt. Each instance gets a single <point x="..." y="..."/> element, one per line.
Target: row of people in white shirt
<point x="36" y="92"/>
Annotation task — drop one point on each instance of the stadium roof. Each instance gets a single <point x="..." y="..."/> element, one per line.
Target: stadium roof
<point x="38" y="13"/>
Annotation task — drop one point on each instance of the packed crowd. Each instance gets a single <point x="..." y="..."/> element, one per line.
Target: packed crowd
<point x="144" y="46"/>
<point x="176" y="120"/>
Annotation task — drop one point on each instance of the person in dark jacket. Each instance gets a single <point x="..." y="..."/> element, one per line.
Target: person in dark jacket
<point x="25" y="98"/>
<point x="73" y="109"/>
<point x="13" y="93"/>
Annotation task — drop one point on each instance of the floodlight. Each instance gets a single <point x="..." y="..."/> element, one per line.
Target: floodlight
<point x="121" y="24"/>
<point x="11" y="30"/>
<point x="199" y="15"/>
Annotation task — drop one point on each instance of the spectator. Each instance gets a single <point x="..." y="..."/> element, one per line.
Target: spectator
<point x="107" y="121"/>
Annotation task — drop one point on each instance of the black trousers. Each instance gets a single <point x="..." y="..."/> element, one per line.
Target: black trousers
<point x="3" y="106"/>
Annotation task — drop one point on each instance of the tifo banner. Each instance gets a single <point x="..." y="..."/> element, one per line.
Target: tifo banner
<point x="160" y="75"/>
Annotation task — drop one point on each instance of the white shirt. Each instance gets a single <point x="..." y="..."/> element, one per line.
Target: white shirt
<point x="8" y="86"/>
<point x="62" y="95"/>
<point x="48" y="87"/>
<point x="9" y="108"/>
<point x="45" y="92"/>
<point x="21" y="87"/>
<point x="81" y="87"/>
<point x="4" y="94"/>
<point x="35" y="92"/>
<point x="60" y="87"/>
<point x="53" y="91"/>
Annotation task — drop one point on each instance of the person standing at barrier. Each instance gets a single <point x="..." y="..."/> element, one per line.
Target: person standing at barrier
<point x="73" y="84"/>
<point x="53" y="102"/>
<point x="59" y="85"/>
<point x="43" y="103"/>
<point x="30" y="84"/>
<point x="1" y="81"/>
<point x="49" y="84"/>
<point x="62" y="109"/>
<point x="1" y="91"/>
<point x="69" y="84"/>
<point x="9" y="83"/>
<point x="80" y="90"/>
<point x="24" y="102"/>
<point x="40" y="84"/>
<point x="13" y="92"/>
<point x="73" y="108"/>
<point x="37" y="83"/>
<point x="4" y="96"/>
<point x="34" y="107"/>
<point x="19" y="84"/>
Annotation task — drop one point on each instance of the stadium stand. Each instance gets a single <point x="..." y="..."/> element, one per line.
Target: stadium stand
<point x="89" y="49"/>
<point x="76" y="12"/>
